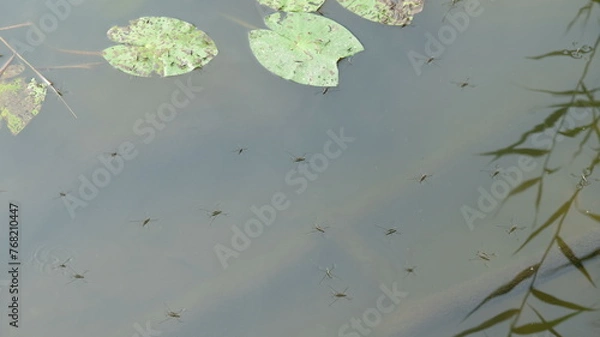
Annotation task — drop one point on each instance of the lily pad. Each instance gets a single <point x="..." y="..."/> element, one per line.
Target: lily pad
<point x="293" y="5"/>
<point x="388" y="12"/>
<point x="303" y="47"/>
<point x="161" y="45"/>
<point x="19" y="101"/>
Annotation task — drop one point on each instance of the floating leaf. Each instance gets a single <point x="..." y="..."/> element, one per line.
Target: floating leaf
<point x="163" y="45"/>
<point x="303" y="47"/>
<point x="490" y="322"/>
<point x="545" y="297"/>
<point x="293" y="5"/>
<point x="531" y="328"/>
<point x="507" y="287"/>
<point x="389" y="12"/>
<point x="19" y="101"/>
<point x="568" y="252"/>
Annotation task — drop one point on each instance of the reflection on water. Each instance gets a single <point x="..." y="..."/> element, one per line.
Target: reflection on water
<point x="198" y="222"/>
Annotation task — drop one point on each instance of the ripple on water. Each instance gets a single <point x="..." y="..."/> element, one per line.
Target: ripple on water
<point x="47" y="259"/>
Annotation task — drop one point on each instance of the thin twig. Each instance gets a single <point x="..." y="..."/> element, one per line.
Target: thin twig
<point x="5" y="66"/>
<point x="40" y="75"/>
<point x="16" y="26"/>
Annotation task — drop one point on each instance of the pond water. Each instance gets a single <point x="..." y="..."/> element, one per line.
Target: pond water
<point x="397" y="145"/>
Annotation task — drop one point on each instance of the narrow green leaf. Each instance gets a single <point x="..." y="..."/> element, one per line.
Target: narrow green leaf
<point x="490" y="322"/>
<point x="531" y="328"/>
<point x="554" y="332"/>
<point x="507" y="287"/>
<point x="568" y="252"/>
<point x="524" y="186"/>
<point x="560" y="211"/>
<point x="545" y="297"/>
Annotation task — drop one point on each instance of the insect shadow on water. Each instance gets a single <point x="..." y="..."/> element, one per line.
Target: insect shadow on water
<point x="463" y="84"/>
<point x="144" y="222"/>
<point x="170" y="314"/>
<point x="409" y="269"/>
<point x="76" y="276"/>
<point x="213" y="214"/>
<point x="337" y="295"/>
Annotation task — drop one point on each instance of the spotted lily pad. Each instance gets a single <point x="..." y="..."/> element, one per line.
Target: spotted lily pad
<point x="303" y="47"/>
<point x="19" y="101"/>
<point x="388" y="12"/>
<point x="161" y="45"/>
<point x="293" y="5"/>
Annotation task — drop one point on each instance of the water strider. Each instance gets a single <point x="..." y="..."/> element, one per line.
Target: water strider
<point x="389" y="231"/>
<point x="172" y="314"/>
<point x="328" y="273"/>
<point x="298" y="159"/>
<point x="77" y="276"/>
<point x="337" y="295"/>
<point x="213" y="214"/>
<point x="144" y="222"/>
<point x="318" y="229"/>
<point x="464" y="84"/>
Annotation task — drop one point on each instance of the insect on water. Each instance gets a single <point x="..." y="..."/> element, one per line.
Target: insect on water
<point x="389" y="231"/>
<point x="295" y="159"/>
<point x="422" y="178"/>
<point x="144" y="222"/>
<point x="213" y="214"/>
<point x="464" y="84"/>
<point x="483" y="256"/>
<point x="584" y="179"/>
<point x="430" y="60"/>
<point x="495" y="172"/>
<point x="112" y="154"/>
<point x="328" y="273"/>
<point x="63" y="265"/>
<point x="318" y="229"/>
<point x="337" y="295"/>
<point x="172" y="314"/>
<point x="512" y="228"/>
<point x="240" y="150"/>
<point x="77" y="276"/>
<point x="62" y="194"/>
